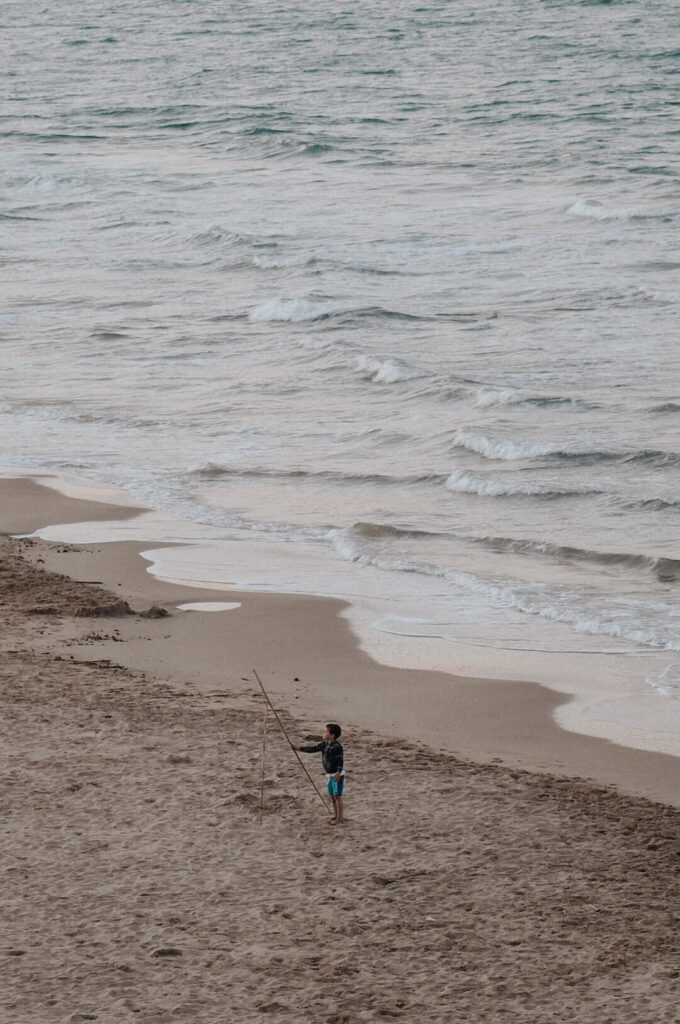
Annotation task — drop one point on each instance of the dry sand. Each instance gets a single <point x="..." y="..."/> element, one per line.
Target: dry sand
<point x="141" y="886"/>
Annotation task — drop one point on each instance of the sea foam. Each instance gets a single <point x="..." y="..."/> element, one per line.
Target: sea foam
<point x="498" y="486"/>
<point x="385" y="371"/>
<point x="486" y="398"/>
<point x="504" y="449"/>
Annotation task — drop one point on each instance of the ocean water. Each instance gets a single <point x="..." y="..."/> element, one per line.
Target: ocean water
<point x="380" y="300"/>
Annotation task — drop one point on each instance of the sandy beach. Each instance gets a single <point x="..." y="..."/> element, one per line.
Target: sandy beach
<point x="493" y="867"/>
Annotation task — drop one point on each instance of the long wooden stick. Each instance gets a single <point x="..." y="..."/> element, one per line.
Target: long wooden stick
<point x="283" y="730"/>
<point x="264" y="754"/>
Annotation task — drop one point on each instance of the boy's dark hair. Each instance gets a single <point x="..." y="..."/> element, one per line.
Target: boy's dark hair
<point x="335" y="729"/>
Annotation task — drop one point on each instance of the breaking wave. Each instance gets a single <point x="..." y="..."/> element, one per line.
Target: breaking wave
<point x="386" y="371"/>
<point x="486" y="485"/>
<point x="300" y="310"/>
<point x="486" y="399"/>
<point x="595" y="210"/>
<point x="507" y="450"/>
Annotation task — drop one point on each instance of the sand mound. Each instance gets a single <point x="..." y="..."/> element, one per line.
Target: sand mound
<point x="37" y="592"/>
<point x="41" y="593"/>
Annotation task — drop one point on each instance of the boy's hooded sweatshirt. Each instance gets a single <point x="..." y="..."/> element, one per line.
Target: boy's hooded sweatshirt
<point x="331" y="755"/>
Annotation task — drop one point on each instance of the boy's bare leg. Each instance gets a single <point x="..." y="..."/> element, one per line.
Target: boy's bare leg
<point x="334" y="800"/>
<point x="339" y="808"/>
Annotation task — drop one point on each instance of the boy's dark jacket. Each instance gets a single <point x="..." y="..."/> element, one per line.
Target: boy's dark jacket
<point x="331" y="755"/>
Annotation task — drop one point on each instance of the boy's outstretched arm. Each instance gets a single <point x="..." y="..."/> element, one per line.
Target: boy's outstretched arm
<point x="312" y="750"/>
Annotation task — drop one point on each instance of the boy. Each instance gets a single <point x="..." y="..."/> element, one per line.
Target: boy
<point x="332" y="757"/>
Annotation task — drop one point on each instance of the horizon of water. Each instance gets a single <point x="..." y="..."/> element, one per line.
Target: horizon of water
<point x="381" y="301"/>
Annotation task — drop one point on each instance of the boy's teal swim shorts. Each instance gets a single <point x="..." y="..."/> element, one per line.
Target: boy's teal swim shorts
<point x="335" y="788"/>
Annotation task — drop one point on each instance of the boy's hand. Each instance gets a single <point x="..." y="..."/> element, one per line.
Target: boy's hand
<point x="337" y="776"/>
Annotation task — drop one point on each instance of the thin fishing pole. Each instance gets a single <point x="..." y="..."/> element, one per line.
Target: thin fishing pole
<point x="290" y="744"/>
<point x="264" y="754"/>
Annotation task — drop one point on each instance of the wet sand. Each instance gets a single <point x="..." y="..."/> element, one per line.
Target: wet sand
<point x="141" y="884"/>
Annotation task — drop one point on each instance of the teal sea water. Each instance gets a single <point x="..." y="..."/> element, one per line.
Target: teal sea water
<point x="385" y="296"/>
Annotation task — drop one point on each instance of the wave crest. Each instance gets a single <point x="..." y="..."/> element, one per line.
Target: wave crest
<point x="506" y="450"/>
<point x="486" y="398"/>
<point x="465" y="482"/>
<point x="385" y="371"/>
<point x="595" y="210"/>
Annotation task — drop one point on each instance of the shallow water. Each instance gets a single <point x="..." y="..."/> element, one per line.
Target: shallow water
<point x="385" y="295"/>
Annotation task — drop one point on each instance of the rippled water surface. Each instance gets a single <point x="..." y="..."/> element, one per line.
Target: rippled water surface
<point x="389" y="288"/>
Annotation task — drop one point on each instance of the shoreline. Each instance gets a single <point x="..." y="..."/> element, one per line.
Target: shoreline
<point x="308" y="656"/>
<point x="602" y="694"/>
